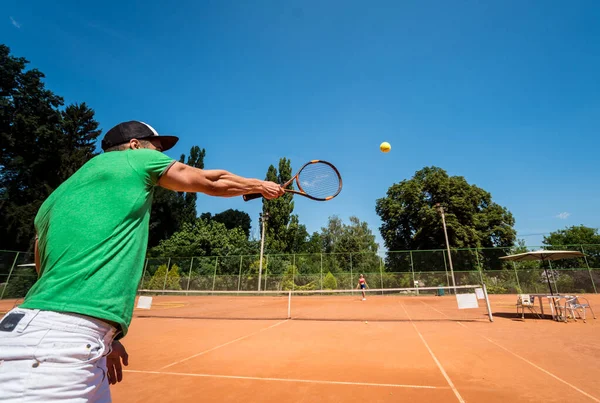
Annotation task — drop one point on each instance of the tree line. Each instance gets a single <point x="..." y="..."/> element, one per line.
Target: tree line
<point x="43" y="142"/>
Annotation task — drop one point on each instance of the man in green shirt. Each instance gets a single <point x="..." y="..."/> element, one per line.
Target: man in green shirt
<point x="92" y="234"/>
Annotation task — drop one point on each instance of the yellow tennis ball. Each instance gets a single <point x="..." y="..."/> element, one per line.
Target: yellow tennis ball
<point x="385" y="147"/>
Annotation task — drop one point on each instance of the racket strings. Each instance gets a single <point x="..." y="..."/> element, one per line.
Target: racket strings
<point x="319" y="180"/>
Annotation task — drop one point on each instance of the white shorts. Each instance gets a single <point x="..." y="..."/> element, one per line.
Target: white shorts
<point x="51" y="356"/>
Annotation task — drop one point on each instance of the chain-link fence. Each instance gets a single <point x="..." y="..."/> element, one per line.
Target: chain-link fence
<point x="17" y="274"/>
<point x="433" y="268"/>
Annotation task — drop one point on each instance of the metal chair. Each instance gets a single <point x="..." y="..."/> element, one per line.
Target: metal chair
<point x="526" y="301"/>
<point x="575" y="305"/>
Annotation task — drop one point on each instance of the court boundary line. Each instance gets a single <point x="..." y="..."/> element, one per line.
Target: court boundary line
<point x="316" y="381"/>
<point x="222" y="345"/>
<point x="540" y="368"/>
<point x="525" y="360"/>
<point x="440" y="367"/>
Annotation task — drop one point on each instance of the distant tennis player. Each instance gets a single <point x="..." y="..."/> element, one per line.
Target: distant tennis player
<point x="362" y="283"/>
<point x="62" y="343"/>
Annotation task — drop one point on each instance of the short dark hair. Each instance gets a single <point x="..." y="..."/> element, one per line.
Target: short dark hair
<point x="125" y="146"/>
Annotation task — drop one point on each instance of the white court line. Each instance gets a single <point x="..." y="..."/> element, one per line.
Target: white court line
<point x="256" y="378"/>
<point x="529" y="362"/>
<point x="543" y="370"/>
<point x="458" y="396"/>
<point x="434" y="309"/>
<point x="222" y="345"/>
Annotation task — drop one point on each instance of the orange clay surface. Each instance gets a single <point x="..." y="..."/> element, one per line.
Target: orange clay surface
<point x="413" y="349"/>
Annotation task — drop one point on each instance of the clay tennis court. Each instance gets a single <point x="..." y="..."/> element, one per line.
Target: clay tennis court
<point x="422" y="349"/>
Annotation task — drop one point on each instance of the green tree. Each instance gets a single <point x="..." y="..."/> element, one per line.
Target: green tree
<point x="173" y="279"/>
<point x="314" y="243"/>
<point x="163" y="280"/>
<point x="40" y="146"/>
<point x="329" y="282"/>
<point x="350" y="245"/>
<point x="204" y="238"/>
<point x="412" y="221"/>
<point x="296" y="236"/>
<point x="80" y="132"/>
<point x="232" y="219"/>
<point x="583" y="239"/>
<point x="285" y="234"/>
<point x="575" y="235"/>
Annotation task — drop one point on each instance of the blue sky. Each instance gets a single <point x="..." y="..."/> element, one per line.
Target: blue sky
<point x="505" y="93"/>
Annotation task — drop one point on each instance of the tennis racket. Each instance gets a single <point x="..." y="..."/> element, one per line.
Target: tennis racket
<point x="318" y="180"/>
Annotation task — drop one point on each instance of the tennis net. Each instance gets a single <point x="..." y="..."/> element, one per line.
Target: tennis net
<point x="460" y="303"/>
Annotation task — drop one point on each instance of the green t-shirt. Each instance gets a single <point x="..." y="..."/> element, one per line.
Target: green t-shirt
<point x="93" y="235"/>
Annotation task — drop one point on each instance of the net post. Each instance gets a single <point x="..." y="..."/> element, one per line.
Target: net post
<point x="189" y="276"/>
<point x="289" y="315"/>
<point x="589" y="270"/>
<point x="487" y="302"/>
<point x="9" y="274"/>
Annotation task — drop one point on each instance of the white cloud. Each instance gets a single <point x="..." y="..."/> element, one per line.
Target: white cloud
<point x="563" y="216"/>
<point x="15" y="23"/>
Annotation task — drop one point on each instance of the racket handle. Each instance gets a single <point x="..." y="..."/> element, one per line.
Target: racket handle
<point x="252" y="196"/>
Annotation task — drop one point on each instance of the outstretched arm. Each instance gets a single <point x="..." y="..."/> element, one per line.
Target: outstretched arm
<point x="184" y="178"/>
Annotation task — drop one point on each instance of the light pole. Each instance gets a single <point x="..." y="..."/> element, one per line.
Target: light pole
<point x="263" y="218"/>
<point x="439" y="206"/>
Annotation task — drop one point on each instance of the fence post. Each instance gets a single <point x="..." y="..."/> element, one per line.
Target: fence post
<point x="294" y="275"/>
<point x="293" y="272"/>
<point x="189" y="275"/>
<point x="141" y="287"/>
<point x="321" y="271"/>
<point x="479" y="269"/>
<point x="215" y="273"/>
<point x="517" y="277"/>
<point x="266" y="271"/>
<point x="240" y="273"/>
<point x="446" y="269"/>
<point x="351" y="278"/>
<point x="9" y="274"/>
<point x="166" y="274"/>
<point x="589" y="270"/>
<point x="381" y="273"/>
<point x="553" y="278"/>
<point x="412" y="268"/>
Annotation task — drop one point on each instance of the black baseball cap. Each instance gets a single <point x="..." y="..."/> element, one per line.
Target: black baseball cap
<point x="123" y="132"/>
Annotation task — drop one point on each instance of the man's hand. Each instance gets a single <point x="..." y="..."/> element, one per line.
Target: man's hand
<point x="113" y="362"/>
<point x="271" y="190"/>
